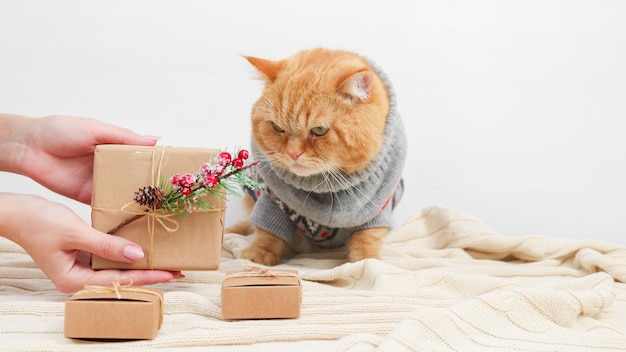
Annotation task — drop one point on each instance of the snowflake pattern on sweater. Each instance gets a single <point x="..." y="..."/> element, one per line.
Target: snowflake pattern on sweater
<point x="321" y="235"/>
<point x="314" y="232"/>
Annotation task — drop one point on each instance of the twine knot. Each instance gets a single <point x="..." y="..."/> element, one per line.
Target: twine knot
<point x="119" y="288"/>
<point x="251" y="270"/>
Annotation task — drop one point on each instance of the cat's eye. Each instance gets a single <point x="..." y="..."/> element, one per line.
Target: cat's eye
<point x="319" y="131"/>
<point x="277" y="128"/>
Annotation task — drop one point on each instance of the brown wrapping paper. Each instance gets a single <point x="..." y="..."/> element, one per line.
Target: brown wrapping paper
<point x="119" y="171"/>
<point x="247" y="295"/>
<point x="102" y="315"/>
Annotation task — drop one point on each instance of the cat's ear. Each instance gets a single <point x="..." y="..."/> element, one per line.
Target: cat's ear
<point x="358" y="86"/>
<point x="269" y="69"/>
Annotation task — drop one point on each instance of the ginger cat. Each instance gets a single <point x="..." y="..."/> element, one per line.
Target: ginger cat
<point x="331" y="147"/>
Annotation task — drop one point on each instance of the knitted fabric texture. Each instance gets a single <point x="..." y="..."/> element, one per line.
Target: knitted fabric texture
<point x="439" y="287"/>
<point x="328" y="213"/>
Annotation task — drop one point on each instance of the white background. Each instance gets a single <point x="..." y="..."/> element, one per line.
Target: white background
<point x="515" y="109"/>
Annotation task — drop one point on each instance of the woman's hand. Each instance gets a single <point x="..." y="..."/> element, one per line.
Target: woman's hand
<point x="57" y="151"/>
<point x="59" y="242"/>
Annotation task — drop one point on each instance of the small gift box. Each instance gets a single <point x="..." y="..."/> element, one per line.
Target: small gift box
<point x="125" y="180"/>
<point x="99" y="312"/>
<point x="259" y="293"/>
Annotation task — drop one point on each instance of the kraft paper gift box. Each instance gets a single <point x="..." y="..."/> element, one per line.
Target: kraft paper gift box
<point x="119" y="171"/>
<point x="136" y="314"/>
<point x="261" y="294"/>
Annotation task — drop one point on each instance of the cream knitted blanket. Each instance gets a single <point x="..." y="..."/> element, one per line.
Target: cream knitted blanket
<point x="446" y="283"/>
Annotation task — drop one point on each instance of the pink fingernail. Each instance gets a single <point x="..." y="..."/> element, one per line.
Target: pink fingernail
<point x="177" y="277"/>
<point x="132" y="252"/>
<point x="151" y="137"/>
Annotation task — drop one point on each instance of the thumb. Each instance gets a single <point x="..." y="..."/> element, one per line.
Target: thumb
<point x="111" y="247"/>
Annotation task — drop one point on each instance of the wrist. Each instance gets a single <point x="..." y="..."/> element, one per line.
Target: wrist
<point x="10" y="215"/>
<point x="12" y="144"/>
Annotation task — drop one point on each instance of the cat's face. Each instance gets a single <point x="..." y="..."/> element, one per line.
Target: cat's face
<point x="321" y="111"/>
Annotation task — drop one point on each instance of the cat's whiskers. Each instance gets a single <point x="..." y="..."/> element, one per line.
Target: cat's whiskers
<point x="337" y="182"/>
<point x="268" y="159"/>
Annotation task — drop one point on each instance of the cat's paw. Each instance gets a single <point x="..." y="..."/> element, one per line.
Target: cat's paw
<point x="355" y="256"/>
<point x="260" y="255"/>
<point x="366" y="244"/>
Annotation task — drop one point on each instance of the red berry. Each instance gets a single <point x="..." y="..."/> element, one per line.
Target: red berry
<point x="188" y="180"/>
<point x="176" y="179"/>
<point x="237" y="163"/>
<point x="211" y="180"/>
<point x="224" y="158"/>
<point x="218" y="170"/>
<point x="243" y="154"/>
<point x="185" y="191"/>
<point x="205" y="169"/>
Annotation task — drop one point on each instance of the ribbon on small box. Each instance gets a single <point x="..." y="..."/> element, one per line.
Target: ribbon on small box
<point x="119" y="289"/>
<point x="259" y="271"/>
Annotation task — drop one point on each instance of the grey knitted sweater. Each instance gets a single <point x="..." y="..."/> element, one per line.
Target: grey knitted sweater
<point x="328" y="213"/>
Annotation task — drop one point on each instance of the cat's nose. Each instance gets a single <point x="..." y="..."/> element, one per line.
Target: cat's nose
<point x="295" y="155"/>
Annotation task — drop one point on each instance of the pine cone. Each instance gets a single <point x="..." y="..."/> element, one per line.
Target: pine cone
<point x="149" y="196"/>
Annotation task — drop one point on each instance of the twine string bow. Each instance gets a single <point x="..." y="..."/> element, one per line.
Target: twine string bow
<point x="154" y="215"/>
<point x="251" y="270"/>
<point x="119" y="289"/>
